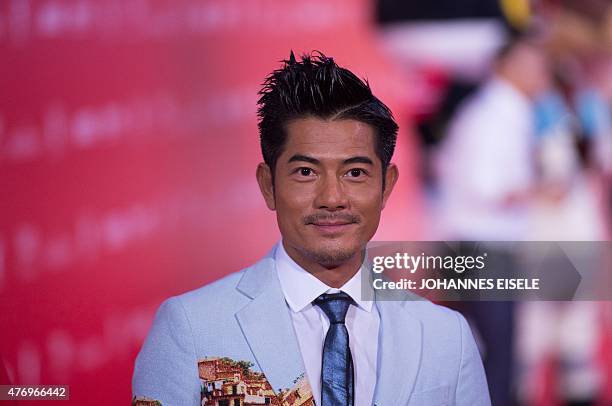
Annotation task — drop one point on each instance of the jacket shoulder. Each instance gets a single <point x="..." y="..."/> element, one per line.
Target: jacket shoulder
<point x="439" y="320"/>
<point x="221" y="293"/>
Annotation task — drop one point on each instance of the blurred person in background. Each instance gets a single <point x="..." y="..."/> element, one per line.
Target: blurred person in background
<point x="487" y="183"/>
<point x="560" y="345"/>
<point x="485" y="166"/>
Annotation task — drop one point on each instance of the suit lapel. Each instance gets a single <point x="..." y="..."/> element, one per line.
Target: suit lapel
<point x="399" y="352"/>
<point x="267" y="327"/>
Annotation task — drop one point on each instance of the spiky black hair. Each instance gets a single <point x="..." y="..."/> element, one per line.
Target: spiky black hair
<point x="317" y="87"/>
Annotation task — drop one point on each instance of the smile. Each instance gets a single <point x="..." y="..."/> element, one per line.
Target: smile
<point x="328" y="228"/>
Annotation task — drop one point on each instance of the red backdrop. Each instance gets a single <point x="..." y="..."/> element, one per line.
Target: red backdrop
<point x="128" y="146"/>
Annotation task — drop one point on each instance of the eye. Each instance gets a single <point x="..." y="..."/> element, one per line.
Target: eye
<point x="355" y="173"/>
<point x="305" y="171"/>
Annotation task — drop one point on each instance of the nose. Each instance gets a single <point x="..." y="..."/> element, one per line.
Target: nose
<point x="331" y="195"/>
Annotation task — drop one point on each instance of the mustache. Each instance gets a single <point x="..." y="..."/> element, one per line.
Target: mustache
<point x="325" y="217"/>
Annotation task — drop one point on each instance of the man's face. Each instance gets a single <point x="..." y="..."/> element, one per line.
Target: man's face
<point x="327" y="190"/>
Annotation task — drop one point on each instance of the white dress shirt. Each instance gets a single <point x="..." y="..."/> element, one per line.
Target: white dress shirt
<point x="487" y="156"/>
<point x="311" y="324"/>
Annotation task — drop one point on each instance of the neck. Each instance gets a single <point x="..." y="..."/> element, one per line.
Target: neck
<point x="335" y="275"/>
<point x="517" y="84"/>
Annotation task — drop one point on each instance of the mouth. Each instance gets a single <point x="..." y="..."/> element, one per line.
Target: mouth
<point x="332" y="227"/>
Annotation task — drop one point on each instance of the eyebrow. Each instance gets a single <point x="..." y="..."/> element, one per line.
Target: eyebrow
<point x="359" y="160"/>
<point x="304" y="158"/>
<point x="314" y="161"/>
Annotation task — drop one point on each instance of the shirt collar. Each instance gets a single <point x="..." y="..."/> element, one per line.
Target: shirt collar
<point x="300" y="287"/>
<point x="512" y="97"/>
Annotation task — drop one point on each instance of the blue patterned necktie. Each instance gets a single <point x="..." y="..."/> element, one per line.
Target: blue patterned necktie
<point x="337" y="380"/>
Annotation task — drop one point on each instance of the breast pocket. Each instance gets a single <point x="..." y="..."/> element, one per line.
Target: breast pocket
<point x="437" y="396"/>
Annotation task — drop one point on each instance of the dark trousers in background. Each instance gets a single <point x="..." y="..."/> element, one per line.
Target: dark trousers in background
<point x="492" y="324"/>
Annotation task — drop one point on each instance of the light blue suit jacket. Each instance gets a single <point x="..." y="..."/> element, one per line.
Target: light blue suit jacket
<point x="426" y="355"/>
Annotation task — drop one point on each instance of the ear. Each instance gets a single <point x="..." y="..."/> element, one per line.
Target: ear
<point x="264" y="179"/>
<point x="390" y="179"/>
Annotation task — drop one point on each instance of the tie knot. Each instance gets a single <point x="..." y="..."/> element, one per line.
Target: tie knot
<point x="334" y="305"/>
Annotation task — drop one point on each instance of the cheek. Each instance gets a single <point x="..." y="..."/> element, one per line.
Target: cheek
<point x="291" y="206"/>
<point x="368" y="207"/>
<point x="367" y="202"/>
<point x="294" y="199"/>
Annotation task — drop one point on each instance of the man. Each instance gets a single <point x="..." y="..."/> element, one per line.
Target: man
<point x="486" y="165"/>
<point x="293" y="329"/>
<point x="488" y="183"/>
